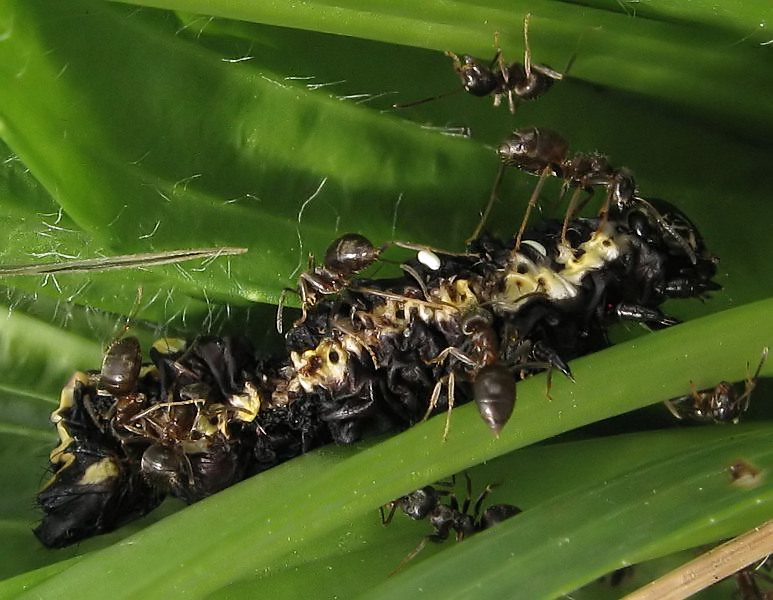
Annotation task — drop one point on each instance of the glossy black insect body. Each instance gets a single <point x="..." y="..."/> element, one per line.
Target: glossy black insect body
<point x="345" y="257"/>
<point x="535" y="150"/>
<point x="544" y="152"/>
<point x="446" y="517"/>
<point x="95" y="493"/>
<point x="93" y="488"/>
<point x="373" y="356"/>
<point x="131" y="434"/>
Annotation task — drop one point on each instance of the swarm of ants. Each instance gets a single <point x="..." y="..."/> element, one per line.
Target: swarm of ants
<point x="370" y="356"/>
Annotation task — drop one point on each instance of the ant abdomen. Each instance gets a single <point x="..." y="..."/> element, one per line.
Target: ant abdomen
<point x="121" y="366"/>
<point x="494" y="394"/>
<point x="350" y="254"/>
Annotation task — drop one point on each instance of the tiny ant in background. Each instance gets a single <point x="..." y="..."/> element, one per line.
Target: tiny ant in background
<point x="720" y="404"/>
<point x="495" y="78"/>
<point x="427" y="503"/>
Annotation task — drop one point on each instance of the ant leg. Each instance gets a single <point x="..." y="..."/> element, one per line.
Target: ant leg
<point x="451" y="393"/>
<point x="549" y="384"/>
<point x="419" y="248"/>
<point x="280" y="307"/>
<point x="402" y="298"/>
<point x="307" y="299"/>
<point x="694" y="393"/>
<point x="479" y="502"/>
<point x="751" y="382"/>
<point x="454" y="57"/>
<point x="433" y="400"/>
<point x="532" y="203"/>
<point x="410" y="556"/>
<point x="499" y="61"/>
<point x="457" y="67"/>
<point x="604" y="212"/>
<point x="569" y="214"/>
<point x="130" y="316"/>
<point x="141" y="415"/>
<point x="763" y="358"/>
<point x="388" y="519"/>
<point x="487" y="210"/>
<point x="456" y="353"/>
<point x="683" y="243"/>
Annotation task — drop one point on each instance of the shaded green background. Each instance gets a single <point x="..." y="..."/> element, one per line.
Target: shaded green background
<point x="129" y="129"/>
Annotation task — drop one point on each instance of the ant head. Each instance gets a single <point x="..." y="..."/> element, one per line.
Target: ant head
<point x="476" y="76"/>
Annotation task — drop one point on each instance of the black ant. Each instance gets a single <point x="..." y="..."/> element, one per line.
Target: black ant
<point x="427" y="503"/>
<point x="495" y="78"/>
<point x="345" y="257"/>
<point x="480" y="355"/>
<point x="545" y="152"/>
<point x="720" y="404"/>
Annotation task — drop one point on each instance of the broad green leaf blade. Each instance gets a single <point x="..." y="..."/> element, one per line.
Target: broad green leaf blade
<point x="328" y="486"/>
<point x="662" y="507"/>
<point x="228" y="172"/>
<point x="37" y="357"/>
<point x="151" y="130"/>
<point x="564" y="479"/>
<point x="40" y="232"/>
<point x="660" y="43"/>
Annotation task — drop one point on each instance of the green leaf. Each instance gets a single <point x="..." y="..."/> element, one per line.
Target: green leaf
<point x="322" y="488"/>
<point x="132" y="130"/>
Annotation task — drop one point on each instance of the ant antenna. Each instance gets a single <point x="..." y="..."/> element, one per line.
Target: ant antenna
<point x="133" y="311"/>
<point x="529" y="207"/>
<point x="526" y="50"/>
<point x="763" y="358"/>
<point x="430" y="99"/>
<point x="487" y="211"/>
